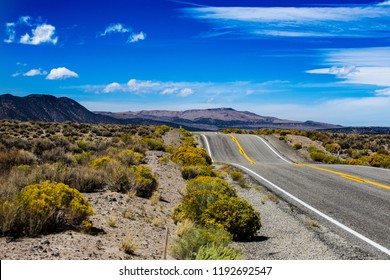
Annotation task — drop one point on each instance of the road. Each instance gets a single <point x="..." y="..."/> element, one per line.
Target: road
<point x="352" y="200"/>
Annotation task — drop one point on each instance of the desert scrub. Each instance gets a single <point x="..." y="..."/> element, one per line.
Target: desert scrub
<point x="119" y="178"/>
<point x="154" y="144"/>
<point x="15" y="157"/>
<point x="145" y="182"/>
<point x="100" y="162"/>
<point x="188" y="245"/>
<point x="43" y="208"/>
<point x="212" y="184"/>
<point x="193" y="171"/>
<point x="194" y="204"/>
<point x="234" y="215"/>
<point x="129" y="157"/>
<point x="297" y="146"/>
<point x="236" y="175"/>
<point x="218" y="252"/>
<point x="188" y="155"/>
<point x="129" y="244"/>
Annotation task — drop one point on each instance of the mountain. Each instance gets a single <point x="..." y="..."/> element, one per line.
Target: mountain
<point x="38" y="107"/>
<point x="218" y="118"/>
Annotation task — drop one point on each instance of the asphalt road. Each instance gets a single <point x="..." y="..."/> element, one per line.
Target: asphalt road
<point x="352" y="200"/>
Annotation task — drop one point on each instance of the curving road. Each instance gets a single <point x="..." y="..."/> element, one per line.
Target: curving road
<point x="352" y="200"/>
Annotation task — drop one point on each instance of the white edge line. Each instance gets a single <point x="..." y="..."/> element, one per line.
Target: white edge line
<point x="207" y="147"/>
<point x="273" y="150"/>
<point x="344" y="227"/>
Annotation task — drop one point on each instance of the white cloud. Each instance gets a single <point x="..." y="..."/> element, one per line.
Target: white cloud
<point x="385" y="3"/>
<point x="113" y="87"/>
<point x="135" y="37"/>
<point x="142" y="86"/>
<point x="25" y="20"/>
<point x="35" y="72"/>
<point x="15" y="74"/>
<point x="169" y="91"/>
<point x="115" y="28"/>
<point x="349" y="21"/>
<point x="43" y="33"/>
<point x="185" y="92"/>
<point x="61" y="73"/>
<point x="10" y="30"/>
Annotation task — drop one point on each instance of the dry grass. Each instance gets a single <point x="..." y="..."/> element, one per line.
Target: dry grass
<point x="112" y="221"/>
<point x="184" y="227"/>
<point x="155" y="198"/>
<point x="129" y="245"/>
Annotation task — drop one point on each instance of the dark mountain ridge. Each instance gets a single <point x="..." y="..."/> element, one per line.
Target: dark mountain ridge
<point x="38" y="107"/>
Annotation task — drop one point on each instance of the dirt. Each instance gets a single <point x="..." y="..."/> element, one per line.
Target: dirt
<point x="117" y="215"/>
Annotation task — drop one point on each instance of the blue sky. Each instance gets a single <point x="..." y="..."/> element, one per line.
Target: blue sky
<point x="303" y="60"/>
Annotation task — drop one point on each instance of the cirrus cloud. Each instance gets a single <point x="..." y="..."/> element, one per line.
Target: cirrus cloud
<point x="359" y="21"/>
<point x="61" y="73"/>
<point x="115" y="28"/>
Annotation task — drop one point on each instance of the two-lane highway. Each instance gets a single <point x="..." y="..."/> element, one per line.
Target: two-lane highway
<point x="353" y="200"/>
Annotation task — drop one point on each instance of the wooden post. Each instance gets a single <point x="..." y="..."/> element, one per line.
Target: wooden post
<point x="164" y="257"/>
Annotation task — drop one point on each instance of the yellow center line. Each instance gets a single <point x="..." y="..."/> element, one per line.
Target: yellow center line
<point x="241" y="149"/>
<point x="346" y="176"/>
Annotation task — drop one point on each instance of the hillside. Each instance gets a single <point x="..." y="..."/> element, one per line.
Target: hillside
<point x="218" y="118"/>
<point x="49" y="108"/>
<point x="37" y="107"/>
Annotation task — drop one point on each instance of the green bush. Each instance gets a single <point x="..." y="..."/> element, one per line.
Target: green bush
<point x="212" y="184"/>
<point x="129" y="157"/>
<point x="317" y="155"/>
<point x="236" y="176"/>
<point x="43" y="208"/>
<point x="145" y="182"/>
<point x="297" y="146"/>
<point x="194" y="204"/>
<point x="234" y="215"/>
<point x="193" y="171"/>
<point x="154" y="144"/>
<point x="187" y="247"/>
<point x="218" y="252"/>
<point x="331" y="160"/>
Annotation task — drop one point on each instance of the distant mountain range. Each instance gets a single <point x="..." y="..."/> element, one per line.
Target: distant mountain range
<point x="217" y="118"/>
<point x="52" y="109"/>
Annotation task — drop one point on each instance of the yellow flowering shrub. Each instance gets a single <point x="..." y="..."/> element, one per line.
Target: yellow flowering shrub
<point x="100" y="162"/>
<point x="212" y="184"/>
<point x="193" y="171"/>
<point x="145" y="182"/>
<point x="234" y="215"/>
<point x="188" y="155"/>
<point x="46" y="207"/>
<point x="194" y="204"/>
